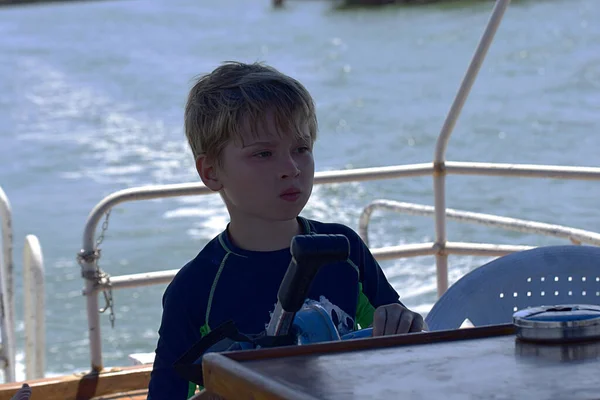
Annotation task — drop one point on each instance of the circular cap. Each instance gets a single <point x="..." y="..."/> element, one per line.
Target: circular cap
<point x="559" y="323"/>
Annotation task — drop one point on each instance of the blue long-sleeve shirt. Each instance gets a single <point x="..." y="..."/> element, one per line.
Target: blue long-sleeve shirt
<point x="228" y="283"/>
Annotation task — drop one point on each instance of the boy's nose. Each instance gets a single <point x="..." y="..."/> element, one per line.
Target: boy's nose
<point x="289" y="169"/>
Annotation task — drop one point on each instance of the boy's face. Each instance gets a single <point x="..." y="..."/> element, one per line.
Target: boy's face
<point x="267" y="175"/>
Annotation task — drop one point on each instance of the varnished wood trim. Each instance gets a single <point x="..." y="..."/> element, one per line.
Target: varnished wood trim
<point x="133" y="395"/>
<point x="233" y="381"/>
<point x="374" y="343"/>
<point x="84" y="387"/>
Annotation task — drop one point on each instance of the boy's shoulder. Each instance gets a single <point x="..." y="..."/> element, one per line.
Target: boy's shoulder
<point x="197" y="275"/>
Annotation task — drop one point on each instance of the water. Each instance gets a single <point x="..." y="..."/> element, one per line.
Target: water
<point x="91" y="100"/>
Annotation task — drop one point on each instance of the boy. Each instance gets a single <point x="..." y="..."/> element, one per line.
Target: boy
<point x="251" y="130"/>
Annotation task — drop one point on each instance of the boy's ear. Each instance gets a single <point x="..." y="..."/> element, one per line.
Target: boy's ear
<point x="208" y="173"/>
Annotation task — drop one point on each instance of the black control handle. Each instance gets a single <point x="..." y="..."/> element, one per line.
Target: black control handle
<point x="309" y="254"/>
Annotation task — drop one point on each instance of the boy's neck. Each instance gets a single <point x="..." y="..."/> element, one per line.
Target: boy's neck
<point x="263" y="235"/>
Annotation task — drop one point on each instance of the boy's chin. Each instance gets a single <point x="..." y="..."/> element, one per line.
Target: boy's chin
<point x="284" y="215"/>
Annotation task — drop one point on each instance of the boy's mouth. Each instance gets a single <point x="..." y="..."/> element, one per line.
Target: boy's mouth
<point x="291" y="194"/>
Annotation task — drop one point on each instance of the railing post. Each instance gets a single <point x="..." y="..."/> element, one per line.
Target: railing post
<point x="6" y="289"/>
<point x="34" y="308"/>
<point x="439" y="177"/>
<point x="88" y="257"/>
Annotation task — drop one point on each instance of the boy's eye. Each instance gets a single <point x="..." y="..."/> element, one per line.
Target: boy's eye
<point x="303" y="149"/>
<point x="262" y="154"/>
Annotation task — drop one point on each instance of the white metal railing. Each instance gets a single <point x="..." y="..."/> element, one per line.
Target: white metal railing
<point x="92" y="287"/>
<point x="369" y="174"/>
<point x="34" y="303"/>
<point x="343" y="176"/>
<point x="7" y="348"/>
<point x="34" y="308"/>
<point x="576" y="236"/>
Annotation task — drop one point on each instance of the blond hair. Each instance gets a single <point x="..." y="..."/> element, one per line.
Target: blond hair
<point x="221" y="102"/>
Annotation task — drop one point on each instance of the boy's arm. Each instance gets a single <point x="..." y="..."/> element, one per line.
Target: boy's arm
<point x="376" y="295"/>
<point x="374" y="288"/>
<point x="177" y="334"/>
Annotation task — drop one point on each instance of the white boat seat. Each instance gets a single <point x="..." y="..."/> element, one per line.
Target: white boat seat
<point x="542" y="276"/>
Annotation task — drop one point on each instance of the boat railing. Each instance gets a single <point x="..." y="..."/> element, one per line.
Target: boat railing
<point x="34" y="308"/>
<point x="7" y="322"/>
<point x="34" y="301"/>
<point x="100" y="281"/>
<point x="576" y="236"/>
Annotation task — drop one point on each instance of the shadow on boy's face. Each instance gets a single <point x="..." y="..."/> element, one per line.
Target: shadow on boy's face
<point x="267" y="170"/>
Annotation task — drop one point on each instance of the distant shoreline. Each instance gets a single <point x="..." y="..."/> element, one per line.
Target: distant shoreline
<point x="31" y="2"/>
<point x="344" y="2"/>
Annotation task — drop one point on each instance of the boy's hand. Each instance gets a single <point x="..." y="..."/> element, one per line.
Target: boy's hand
<point x="393" y="319"/>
